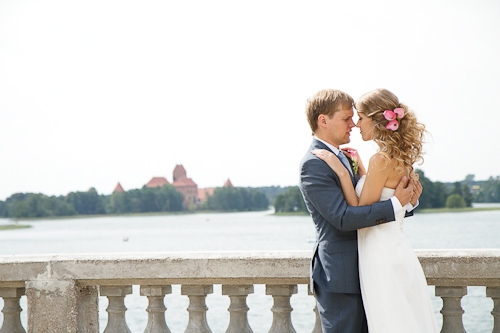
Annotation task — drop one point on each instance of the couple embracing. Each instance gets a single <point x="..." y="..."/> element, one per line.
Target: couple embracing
<point x="364" y="273"/>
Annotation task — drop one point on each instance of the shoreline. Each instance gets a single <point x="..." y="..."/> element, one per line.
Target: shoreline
<point x="14" y="226"/>
<point x="455" y="210"/>
<point x="417" y="210"/>
<point x="73" y="217"/>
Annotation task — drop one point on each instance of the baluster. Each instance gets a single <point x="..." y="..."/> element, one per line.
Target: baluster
<point x="197" y="308"/>
<point x="317" y="323"/>
<point x="282" y="319"/>
<point x="494" y="293"/>
<point x="12" y="310"/>
<point x="156" y="308"/>
<point x="238" y="319"/>
<point x="116" y="308"/>
<point x="452" y="309"/>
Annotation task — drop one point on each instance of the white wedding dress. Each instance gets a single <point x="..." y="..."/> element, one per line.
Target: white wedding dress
<point x="395" y="293"/>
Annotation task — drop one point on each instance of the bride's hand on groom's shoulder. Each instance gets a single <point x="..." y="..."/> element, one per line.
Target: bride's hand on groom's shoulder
<point x="330" y="159"/>
<point x="354" y="155"/>
<point x="324" y="155"/>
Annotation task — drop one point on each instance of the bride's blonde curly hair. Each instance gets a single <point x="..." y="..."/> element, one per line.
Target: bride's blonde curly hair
<point x="404" y="144"/>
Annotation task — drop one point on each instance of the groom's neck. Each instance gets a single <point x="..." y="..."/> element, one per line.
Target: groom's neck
<point x="325" y="139"/>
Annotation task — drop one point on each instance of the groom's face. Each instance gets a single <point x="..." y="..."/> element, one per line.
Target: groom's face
<point x="340" y="126"/>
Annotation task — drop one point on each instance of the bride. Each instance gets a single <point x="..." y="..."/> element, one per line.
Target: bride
<point x="393" y="286"/>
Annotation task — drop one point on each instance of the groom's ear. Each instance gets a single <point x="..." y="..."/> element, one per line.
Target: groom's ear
<point x="321" y="120"/>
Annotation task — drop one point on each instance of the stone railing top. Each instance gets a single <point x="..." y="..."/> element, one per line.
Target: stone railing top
<point x="442" y="267"/>
<point x="161" y="268"/>
<point x="153" y="255"/>
<point x="463" y="267"/>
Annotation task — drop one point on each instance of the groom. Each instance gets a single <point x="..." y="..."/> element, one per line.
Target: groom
<point x="334" y="266"/>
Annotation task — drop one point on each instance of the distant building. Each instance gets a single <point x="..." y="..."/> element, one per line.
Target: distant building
<point x="179" y="172"/>
<point x="118" y="188"/>
<point x="228" y="184"/>
<point x="192" y="194"/>
<point x="185" y="185"/>
<point x="204" y="193"/>
<point x="157" y="182"/>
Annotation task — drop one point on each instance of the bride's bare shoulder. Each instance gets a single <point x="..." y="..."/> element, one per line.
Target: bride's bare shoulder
<point x="379" y="162"/>
<point x="388" y="168"/>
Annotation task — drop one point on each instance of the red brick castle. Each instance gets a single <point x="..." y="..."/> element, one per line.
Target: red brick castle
<point x="192" y="194"/>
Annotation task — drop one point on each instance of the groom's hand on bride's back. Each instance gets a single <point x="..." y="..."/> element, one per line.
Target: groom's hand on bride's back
<point x="404" y="191"/>
<point x="417" y="191"/>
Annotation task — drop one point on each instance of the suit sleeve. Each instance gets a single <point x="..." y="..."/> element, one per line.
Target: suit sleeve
<point x="321" y="189"/>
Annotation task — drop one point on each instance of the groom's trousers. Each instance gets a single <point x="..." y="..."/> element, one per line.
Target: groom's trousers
<point x="340" y="313"/>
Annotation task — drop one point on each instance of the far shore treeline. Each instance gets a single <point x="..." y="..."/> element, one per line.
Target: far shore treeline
<point x="144" y="200"/>
<point x="435" y="195"/>
<point x="285" y="199"/>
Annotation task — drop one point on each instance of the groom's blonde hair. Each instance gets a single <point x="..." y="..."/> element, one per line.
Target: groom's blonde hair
<point x="326" y="102"/>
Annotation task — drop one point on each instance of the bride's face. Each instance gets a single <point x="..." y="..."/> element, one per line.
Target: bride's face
<point x="365" y="126"/>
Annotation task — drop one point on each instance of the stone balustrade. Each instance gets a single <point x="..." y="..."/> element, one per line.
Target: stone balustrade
<point x="62" y="291"/>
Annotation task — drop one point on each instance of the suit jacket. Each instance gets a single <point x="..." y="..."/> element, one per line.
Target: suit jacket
<point x="334" y="265"/>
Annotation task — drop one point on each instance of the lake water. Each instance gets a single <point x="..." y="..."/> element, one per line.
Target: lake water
<point x="249" y="231"/>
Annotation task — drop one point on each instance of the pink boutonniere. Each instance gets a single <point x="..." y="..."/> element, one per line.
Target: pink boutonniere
<point x="354" y="163"/>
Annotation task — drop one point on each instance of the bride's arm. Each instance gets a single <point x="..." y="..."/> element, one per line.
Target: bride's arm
<point x="343" y="174"/>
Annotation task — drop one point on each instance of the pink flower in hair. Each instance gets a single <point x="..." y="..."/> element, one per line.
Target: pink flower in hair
<point x="399" y="112"/>
<point x="389" y="115"/>
<point x="393" y="125"/>
<point x="393" y="117"/>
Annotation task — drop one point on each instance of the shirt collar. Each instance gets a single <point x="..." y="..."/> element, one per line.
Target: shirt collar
<point x="333" y="148"/>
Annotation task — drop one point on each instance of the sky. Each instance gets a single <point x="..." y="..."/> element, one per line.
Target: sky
<point x="97" y="92"/>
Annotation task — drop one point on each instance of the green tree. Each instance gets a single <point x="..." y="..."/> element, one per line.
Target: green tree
<point x="117" y="203"/>
<point x="258" y="200"/>
<point x="290" y="201"/>
<point x="168" y="199"/>
<point x="272" y="191"/>
<point x="457" y="189"/>
<point x="23" y="205"/>
<point x="279" y="203"/>
<point x="492" y="190"/>
<point x="434" y="194"/>
<point x="426" y="199"/>
<point x="496" y="191"/>
<point x="2" y="208"/>
<point x="145" y="200"/>
<point x="467" y="195"/>
<point x="469" y="180"/>
<point x="229" y="199"/>
<point x="486" y="194"/>
<point x="59" y="207"/>
<point x="135" y="203"/>
<point x="237" y="199"/>
<point x="440" y="194"/>
<point x="455" y="201"/>
<point x="86" y="203"/>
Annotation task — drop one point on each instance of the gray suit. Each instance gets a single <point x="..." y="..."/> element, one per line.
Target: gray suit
<point x="334" y="266"/>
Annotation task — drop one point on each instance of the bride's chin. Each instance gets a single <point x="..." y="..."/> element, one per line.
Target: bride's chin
<point x="365" y="137"/>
